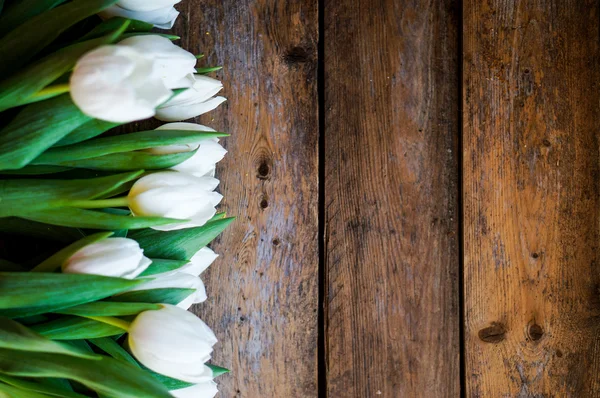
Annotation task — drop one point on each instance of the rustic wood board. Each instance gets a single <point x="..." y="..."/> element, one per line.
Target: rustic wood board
<point x="391" y="198"/>
<point x="263" y="290"/>
<point x="531" y="197"/>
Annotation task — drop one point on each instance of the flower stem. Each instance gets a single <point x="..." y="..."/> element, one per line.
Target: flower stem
<point x="51" y="91"/>
<point x="109" y="320"/>
<point x="100" y="204"/>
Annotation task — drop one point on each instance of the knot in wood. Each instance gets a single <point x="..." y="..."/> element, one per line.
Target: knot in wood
<point x="493" y="334"/>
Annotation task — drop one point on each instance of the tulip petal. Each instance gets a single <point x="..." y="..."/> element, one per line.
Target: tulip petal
<point x="146" y="5"/>
<point x="163" y="18"/>
<point x="184" y="112"/>
<point x="202" y="390"/>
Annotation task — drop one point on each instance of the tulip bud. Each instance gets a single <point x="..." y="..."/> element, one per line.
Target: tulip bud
<point x="159" y="13"/>
<point x="176" y="195"/>
<point x="173" y="342"/>
<point x="208" y="152"/>
<point x="118" y="84"/>
<point x="177" y="280"/>
<point x="115" y="257"/>
<point x="193" y="102"/>
<point x="202" y="390"/>
<point x="173" y="62"/>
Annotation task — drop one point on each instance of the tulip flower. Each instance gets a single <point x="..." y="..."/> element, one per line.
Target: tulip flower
<point x="116" y="257"/>
<point x="175" y="195"/>
<point x="177" y="280"/>
<point x="208" y="152"/>
<point x="203" y="390"/>
<point x="173" y="342"/>
<point x="159" y="13"/>
<point x="200" y="262"/>
<point x="173" y="62"/>
<point x="195" y="101"/>
<point x="118" y="84"/>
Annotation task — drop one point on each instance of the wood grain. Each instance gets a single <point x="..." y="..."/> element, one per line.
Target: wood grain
<point x="391" y="206"/>
<point x="531" y="196"/>
<point x="263" y="291"/>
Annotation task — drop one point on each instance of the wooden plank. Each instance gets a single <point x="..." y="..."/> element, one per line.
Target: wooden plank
<point x="392" y="260"/>
<point x="263" y="291"/>
<point x="531" y="196"/>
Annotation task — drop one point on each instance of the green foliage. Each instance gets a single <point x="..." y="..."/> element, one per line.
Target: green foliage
<point x="179" y="244"/>
<point x="160" y="266"/>
<point x="19" y="12"/>
<point x="172" y="296"/>
<point x="75" y="328"/>
<point x="27" y="294"/>
<point x="20" y="45"/>
<point x="106" y="376"/>
<point x="106" y="308"/>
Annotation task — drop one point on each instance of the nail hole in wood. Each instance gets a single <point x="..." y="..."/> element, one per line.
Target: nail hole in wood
<point x="276" y="242"/>
<point x="559" y="353"/>
<point x="535" y="255"/>
<point x="493" y="334"/>
<point x="547" y="143"/>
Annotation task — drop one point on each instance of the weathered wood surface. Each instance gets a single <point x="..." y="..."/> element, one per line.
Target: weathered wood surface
<point x="531" y="196"/>
<point x="391" y="198"/>
<point x="263" y="290"/>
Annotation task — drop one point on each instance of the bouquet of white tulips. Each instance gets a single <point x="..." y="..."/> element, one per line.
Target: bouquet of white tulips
<point x="105" y="313"/>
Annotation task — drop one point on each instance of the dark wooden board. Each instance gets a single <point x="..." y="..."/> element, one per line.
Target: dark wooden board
<point x="391" y="198"/>
<point x="531" y="196"/>
<point x="263" y="290"/>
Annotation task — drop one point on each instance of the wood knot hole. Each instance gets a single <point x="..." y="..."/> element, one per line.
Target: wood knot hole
<point x="296" y="55"/>
<point x="559" y="353"/>
<point x="276" y="242"/>
<point x="547" y="143"/>
<point x="535" y="332"/>
<point x="264" y="203"/>
<point x="493" y="334"/>
<point x="264" y="171"/>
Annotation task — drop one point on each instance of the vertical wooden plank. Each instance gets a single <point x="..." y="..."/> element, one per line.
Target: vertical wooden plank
<point x="392" y="261"/>
<point x="263" y="291"/>
<point x="531" y="195"/>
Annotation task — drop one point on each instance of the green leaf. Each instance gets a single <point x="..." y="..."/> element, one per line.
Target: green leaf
<point x="113" y="349"/>
<point x="24" y="196"/>
<point x="106" y="376"/>
<point x="217" y="370"/>
<point x="180" y="244"/>
<point x="204" y="71"/>
<point x="123" y="143"/>
<point x="15" y="336"/>
<point x="21" y="45"/>
<point x="19" y="12"/>
<point x="75" y="328"/>
<point x="112" y="24"/>
<point x="19" y="226"/>
<point x="8" y="391"/>
<point x="81" y="218"/>
<point x="106" y="308"/>
<point x="91" y="129"/>
<point x="171" y="296"/>
<point x="169" y="382"/>
<point x="36" y="128"/>
<point x="23" y="87"/>
<point x="27" y="294"/>
<point x="36" y="170"/>
<point x="160" y="266"/>
<point x="129" y="161"/>
<point x="39" y="387"/>
<point x="54" y="262"/>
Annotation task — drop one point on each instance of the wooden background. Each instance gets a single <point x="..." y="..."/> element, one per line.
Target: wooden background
<point x="417" y="190"/>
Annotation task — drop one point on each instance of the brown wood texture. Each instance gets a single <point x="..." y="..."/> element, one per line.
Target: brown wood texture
<point x="531" y="197"/>
<point x="263" y="290"/>
<point x="391" y="198"/>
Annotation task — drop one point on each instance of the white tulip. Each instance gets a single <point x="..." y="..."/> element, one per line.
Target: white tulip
<point x="175" y="195"/>
<point x="200" y="262"/>
<point x="173" y="62"/>
<point x="203" y="162"/>
<point x="159" y="13"/>
<point x="195" y="101"/>
<point x="178" y="280"/>
<point x="118" y="84"/>
<point x="116" y="257"/>
<point x="173" y="342"/>
<point x="203" y="390"/>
